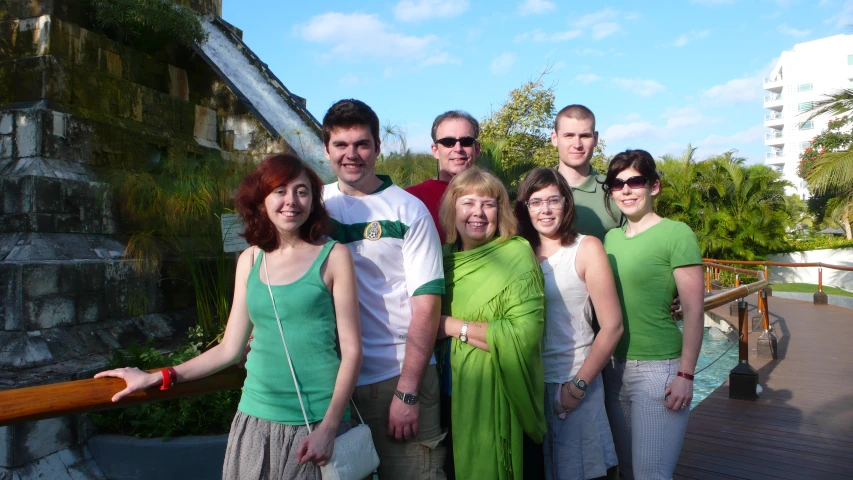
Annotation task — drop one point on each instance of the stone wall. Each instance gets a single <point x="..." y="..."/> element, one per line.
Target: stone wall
<point x="74" y="106"/>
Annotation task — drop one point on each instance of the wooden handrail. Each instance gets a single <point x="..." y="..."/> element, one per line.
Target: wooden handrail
<point x="89" y="395"/>
<point x="778" y="264"/>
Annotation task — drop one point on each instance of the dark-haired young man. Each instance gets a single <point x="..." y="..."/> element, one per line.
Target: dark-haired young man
<point x="397" y="256"/>
<point x="455" y="146"/>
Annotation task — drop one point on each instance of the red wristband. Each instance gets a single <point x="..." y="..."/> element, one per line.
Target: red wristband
<point x="167" y="379"/>
<point x="685" y="375"/>
<point x="173" y="375"/>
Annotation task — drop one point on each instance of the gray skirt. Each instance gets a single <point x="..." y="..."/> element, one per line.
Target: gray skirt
<point x="579" y="446"/>
<point x="260" y="450"/>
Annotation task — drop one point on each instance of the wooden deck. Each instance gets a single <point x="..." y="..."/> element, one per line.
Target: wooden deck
<point x="802" y="425"/>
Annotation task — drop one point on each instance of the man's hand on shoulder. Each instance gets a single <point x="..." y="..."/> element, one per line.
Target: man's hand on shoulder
<point x="403" y="420"/>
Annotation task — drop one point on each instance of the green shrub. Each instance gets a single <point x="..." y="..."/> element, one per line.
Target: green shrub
<point x="815" y="244"/>
<point x="148" y="24"/>
<point x="208" y="414"/>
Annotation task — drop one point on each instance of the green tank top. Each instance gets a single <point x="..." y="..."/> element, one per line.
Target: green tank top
<point x="307" y="313"/>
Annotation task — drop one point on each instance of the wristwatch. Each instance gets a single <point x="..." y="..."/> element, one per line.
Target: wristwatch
<point x="463" y="333"/>
<point x="407" y="398"/>
<point x="580" y="384"/>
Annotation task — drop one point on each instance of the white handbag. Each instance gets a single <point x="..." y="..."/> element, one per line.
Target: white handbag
<point x="354" y="457"/>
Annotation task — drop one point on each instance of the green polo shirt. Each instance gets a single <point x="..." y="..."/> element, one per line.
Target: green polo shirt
<point x="593" y="218"/>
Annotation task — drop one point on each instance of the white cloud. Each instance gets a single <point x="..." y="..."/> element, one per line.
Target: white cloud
<point x="628" y="131"/>
<point x="608" y="14"/>
<point x="739" y="90"/>
<point x="633" y="116"/>
<point x="559" y="65"/>
<point x="539" y="36"/>
<point x="588" y="78"/>
<point x="603" y="23"/>
<point x="643" y="88"/>
<point x="420" y="10"/>
<point x="502" y="64"/>
<point x="683" y="117"/>
<point x="792" y="32"/>
<point x="355" y="36"/>
<point x="690" y="36"/>
<point x="349" y="79"/>
<point x="588" y="51"/>
<point x="844" y="18"/>
<point x="536" y="7"/>
<point x="604" y="30"/>
<point x="751" y="135"/>
<point x="714" y="2"/>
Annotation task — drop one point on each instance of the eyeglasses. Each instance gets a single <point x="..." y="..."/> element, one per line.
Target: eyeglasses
<point x="638" y="181"/>
<point x="555" y="203"/>
<point x="450" y="142"/>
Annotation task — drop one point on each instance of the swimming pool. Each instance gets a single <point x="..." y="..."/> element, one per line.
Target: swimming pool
<point x="709" y="379"/>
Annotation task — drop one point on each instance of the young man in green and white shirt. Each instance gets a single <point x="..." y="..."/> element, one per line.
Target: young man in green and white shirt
<point x="397" y="257"/>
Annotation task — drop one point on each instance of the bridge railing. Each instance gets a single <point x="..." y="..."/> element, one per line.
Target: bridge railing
<point x="81" y="396"/>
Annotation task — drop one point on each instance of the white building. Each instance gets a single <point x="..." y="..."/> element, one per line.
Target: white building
<point x="803" y="75"/>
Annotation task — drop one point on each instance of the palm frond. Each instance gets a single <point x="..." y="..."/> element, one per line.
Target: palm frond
<point x="837" y="103"/>
<point x="833" y="170"/>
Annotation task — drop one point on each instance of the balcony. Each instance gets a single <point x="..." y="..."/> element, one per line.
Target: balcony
<point x="774" y="138"/>
<point x="774" y="100"/>
<point x="774" y="119"/>
<point x="773" y="83"/>
<point x="775" y="154"/>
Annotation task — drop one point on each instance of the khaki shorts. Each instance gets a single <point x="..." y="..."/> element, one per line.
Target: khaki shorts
<point x="419" y="458"/>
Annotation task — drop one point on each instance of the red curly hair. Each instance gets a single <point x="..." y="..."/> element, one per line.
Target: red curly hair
<point x="275" y="171"/>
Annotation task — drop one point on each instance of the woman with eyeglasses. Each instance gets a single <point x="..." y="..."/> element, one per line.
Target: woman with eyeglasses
<point x="493" y="310"/>
<point x="649" y="383"/>
<point x="578" y="444"/>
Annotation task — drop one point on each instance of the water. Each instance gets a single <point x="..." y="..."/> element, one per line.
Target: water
<point x="709" y="379"/>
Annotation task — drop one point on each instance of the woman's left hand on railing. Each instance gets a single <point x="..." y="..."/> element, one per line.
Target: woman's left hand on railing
<point x="679" y="394"/>
<point x="318" y="446"/>
<point x="136" y="380"/>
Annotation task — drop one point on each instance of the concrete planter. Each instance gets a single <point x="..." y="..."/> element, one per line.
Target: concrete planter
<point x="129" y="458"/>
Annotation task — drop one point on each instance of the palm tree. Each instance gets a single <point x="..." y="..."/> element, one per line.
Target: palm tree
<point x="736" y="211"/>
<point x="491" y="159"/>
<point x="832" y="173"/>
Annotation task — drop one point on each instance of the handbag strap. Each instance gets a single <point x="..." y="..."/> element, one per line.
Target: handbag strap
<point x="287" y="352"/>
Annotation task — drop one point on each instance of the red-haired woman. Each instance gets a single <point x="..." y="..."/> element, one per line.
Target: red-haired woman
<point x="312" y="281"/>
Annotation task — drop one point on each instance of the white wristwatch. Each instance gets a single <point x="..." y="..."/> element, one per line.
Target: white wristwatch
<point x="463" y="333"/>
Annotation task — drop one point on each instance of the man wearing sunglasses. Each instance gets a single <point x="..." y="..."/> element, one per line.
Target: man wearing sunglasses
<point x="575" y="138"/>
<point x="455" y="146"/>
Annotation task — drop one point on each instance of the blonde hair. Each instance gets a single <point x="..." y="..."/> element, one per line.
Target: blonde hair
<point x="479" y="182"/>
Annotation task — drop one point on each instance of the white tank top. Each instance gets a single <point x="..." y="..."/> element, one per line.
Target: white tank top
<point x="568" y="316"/>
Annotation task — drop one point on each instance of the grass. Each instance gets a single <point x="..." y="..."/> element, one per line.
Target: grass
<point x="809" y="288"/>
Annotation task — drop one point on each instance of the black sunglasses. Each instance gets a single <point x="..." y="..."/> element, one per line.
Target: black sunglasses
<point x="638" y="181"/>
<point x="450" y="142"/>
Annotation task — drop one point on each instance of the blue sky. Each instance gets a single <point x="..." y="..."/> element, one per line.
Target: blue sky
<point x="658" y="75"/>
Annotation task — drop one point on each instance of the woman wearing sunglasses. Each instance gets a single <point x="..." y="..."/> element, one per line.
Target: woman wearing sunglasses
<point x="578" y="444"/>
<point x="649" y="383"/>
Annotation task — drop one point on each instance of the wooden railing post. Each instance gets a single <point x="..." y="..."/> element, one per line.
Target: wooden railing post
<point x="743" y="379"/>
<point x="708" y="279"/>
<point x="767" y="341"/>
<point x="820" y="298"/>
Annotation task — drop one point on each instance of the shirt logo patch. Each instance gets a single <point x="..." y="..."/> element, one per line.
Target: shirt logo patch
<point x="373" y="231"/>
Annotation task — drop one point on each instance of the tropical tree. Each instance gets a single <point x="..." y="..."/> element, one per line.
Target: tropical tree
<point x="736" y="211"/>
<point x="521" y="127"/>
<point x="827" y="165"/>
<point x="491" y="159"/>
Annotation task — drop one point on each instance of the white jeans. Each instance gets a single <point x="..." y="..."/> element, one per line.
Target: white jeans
<point x="648" y="436"/>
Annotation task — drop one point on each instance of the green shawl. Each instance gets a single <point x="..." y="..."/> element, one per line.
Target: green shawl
<point x="497" y="395"/>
